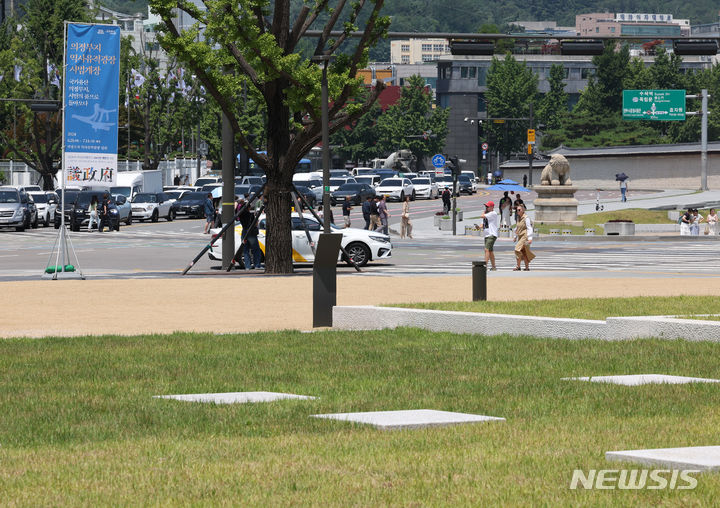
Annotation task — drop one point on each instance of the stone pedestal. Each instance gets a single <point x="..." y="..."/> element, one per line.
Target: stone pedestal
<point x="556" y="204"/>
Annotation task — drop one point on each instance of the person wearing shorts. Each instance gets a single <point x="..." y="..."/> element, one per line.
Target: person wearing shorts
<point x="491" y="221"/>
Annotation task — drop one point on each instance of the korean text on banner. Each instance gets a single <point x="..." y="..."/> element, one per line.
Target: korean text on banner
<point x="91" y="96"/>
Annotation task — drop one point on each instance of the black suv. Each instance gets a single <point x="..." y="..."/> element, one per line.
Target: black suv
<point x="80" y="215"/>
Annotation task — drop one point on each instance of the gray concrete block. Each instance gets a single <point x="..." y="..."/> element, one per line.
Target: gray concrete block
<point x="408" y="419"/>
<point x="233" y="397"/>
<point x="702" y="458"/>
<point x="622" y="328"/>
<point x="378" y="318"/>
<point x="643" y="379"/>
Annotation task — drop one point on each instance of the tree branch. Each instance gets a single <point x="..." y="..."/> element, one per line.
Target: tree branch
<point x="331" y="22"/>
<point x="297" y="26"/>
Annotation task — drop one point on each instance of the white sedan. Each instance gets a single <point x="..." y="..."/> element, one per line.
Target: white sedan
<point x="396" y="188"/>
<point x="425" y="188"/>
<point x="146" y="205"/>
<point x="361" y="245"/>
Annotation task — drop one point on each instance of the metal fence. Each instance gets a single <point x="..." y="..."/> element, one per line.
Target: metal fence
<point x="19" y="173"/>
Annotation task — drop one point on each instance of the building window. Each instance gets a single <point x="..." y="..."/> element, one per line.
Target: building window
<point x="587" y="72"/>
<point x="405" y="59"/>
<point x="463" y="72"/>
<point x="427" y="58"/>
<point x="472" y="72"/>
<point x="405" y="47"/>
<point x="597" y="29"/>
<point x="439" y="47"/>
<point x="612" y="29"/>
<point x="566" y="73"/>
<point x="426" y="47"/>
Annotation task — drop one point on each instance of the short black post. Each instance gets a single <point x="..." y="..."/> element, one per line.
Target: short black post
<point x="479" y="281"/>
<point x="325" y="278"/>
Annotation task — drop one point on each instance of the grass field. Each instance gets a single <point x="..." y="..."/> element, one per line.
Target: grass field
<point x="586" y="308"/>
<point x="79" y="425"/>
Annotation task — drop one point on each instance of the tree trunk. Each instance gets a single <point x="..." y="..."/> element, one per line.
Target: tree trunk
<point x="278" y="251"/>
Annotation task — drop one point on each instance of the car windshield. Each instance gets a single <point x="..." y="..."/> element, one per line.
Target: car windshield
<point x="174" y="194"/>
<point x="9" y="196"/>
<point x="391" y="182"/>
<point x="145" y="198"/>
<point x="421" y="181"/>
<point x="125" y="191"/>
<point x="313" y="183"/>
<point x="464" y="179"/>
<point x="83" y="199"/>
<point x="204" y="181"/>
<point x="364" y="179"/>
<point x="337" y="181"/>
<point x="193" y="196"/>
<point x="350" y="187"/>
<point x="39" y="198"/>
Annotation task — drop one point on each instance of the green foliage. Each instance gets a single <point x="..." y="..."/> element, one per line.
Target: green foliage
<point x="553" y="107"/>
<point x="357" y="142"/>
<point x="511" y="87"/>
<point x="403" y="124"/>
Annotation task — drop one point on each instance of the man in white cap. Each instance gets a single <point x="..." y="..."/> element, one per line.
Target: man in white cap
<point x="491" y="222"/>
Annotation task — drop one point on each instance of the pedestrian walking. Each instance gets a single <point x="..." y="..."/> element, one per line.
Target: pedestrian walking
<point x="346" y="212"/>
<point x="209" y="209"/>
<point x="176" y="180"/>
<point x="383" y="214"/>
<point x="366" y="211"/>
<point x="518" y="201"/>
<point x="446" y="195"/>
<point x="405" y="224"/>
<point x="250" y="242"/>
<point x="685" y="222"/>
<point x="93" y="210"/>
<point x="623" y="179"/>
<point x="524" y="180"/>
<point x="105" y="213"/>
<point x="711" y="227"/>
<point x="523" y="239"/>
<point x="505" y="209"/>
<point x="374" y="217"/>
<point x="491" y="223"/>
<point x="695" y="224"/>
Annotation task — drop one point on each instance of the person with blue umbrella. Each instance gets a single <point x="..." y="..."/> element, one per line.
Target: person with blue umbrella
<point x="622" y="178"/>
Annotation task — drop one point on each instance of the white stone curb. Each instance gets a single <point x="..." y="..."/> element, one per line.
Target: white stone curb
<point x="614" y="328"/>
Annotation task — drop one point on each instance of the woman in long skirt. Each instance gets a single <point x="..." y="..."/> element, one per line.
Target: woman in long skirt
<point x="523" y="239"/>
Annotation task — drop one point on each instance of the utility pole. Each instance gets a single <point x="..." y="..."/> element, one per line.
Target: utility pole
<point x="530" y="147"/>
<point x="228" y="192"/>
<point x="703" y="141"/>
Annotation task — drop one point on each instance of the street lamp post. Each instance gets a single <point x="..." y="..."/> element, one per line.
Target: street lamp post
<point x="325" y="140"/>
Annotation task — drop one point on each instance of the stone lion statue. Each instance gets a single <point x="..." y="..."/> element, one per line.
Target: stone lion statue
<point x="557" y="171"/>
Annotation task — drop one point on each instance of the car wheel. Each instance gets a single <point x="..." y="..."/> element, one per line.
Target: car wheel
<point x="402" y="195"/>
<point x="129" y="219"/>
<point x="20" y="229"/>
<point x="412" y="198"/>
<point x="117" y="225"/>
<point x="359" y="252"/>
<point x="35" y="222"/>
<point x="171" y="215"/>
<point x="154" y="217"/>
<point x="56" y="224"/>
<point x="74" y="227"/>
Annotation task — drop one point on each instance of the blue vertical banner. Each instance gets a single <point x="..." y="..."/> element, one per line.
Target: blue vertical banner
<point x="90" y="98"/>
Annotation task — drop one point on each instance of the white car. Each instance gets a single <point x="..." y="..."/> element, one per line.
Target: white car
<point x="371" y="180"/>
<point x="337" y="182"/>
<point x="396" y="188"/>
<point x="147" y="205"/>
<point x="45" y="208"/>
<point x="425" y="188"/>
<point x="361" y="245"/>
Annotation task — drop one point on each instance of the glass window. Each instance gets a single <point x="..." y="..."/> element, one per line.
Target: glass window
<point x="612" y="29"/>
<point x="438" y="47"/>
<point x="426" y="47"/>
<point x="472" y="73"/>
<point x="405" y="47"/>
<point x="586" y="72"/>
<point x="427" y="57"/>
<point x="482" y="76"/>
<point x="405" y="59"/>
<point x="463" y="72"/>
<point x="566" y="73"/>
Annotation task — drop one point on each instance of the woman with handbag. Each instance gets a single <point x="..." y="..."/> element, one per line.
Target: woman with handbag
<point x="405" y="225"/>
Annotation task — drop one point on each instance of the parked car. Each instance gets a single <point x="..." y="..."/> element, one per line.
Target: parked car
<point x="79" y="213"/>
<point x="206" y="180"/>
<point x="396" y="188"/>
<point x="45" y="209"/>
<point x="124" y="208"/>
<point x="152" y="206"/>
<point x="314" y="184"/>
<point x="340" y="173"/>
<point x="337" y="182"/>
<point x="371" y="180"/>
<point x="211" y="187"/>
<point x="425" y="188"/>
<point x="17" y="209"/>
<point x="70" y="197"/>
<point x="190" y="205"/>
<point x="356" y="193"/>
<point x="32" y="188"/>
<point x="308" y="194"/>
<point x="252" y="180"/>
<point x="363" y="171"/>
<point x="174" y="195"/>
<point x="361" y="245"/>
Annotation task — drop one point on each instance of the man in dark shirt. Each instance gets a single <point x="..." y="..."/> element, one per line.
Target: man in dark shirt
<point x="250" y="239"/>
<point x="446" y="195"/>
<point x="374" y="215"/>
<point x="366" y="211"/>
<point x="209" y="209"/>
<point x="105" y="213"/>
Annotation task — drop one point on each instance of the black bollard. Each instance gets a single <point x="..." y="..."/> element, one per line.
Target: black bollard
<point x="479" y="281"/>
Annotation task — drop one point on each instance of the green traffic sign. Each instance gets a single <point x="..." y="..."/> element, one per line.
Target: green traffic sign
<point x="653" y="105"/>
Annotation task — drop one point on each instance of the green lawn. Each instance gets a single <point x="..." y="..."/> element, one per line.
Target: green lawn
<point x="585" y="308"/>
<point x="78" y="425"/>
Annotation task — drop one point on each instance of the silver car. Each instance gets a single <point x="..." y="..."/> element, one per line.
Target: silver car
<point x="17" y="209"/>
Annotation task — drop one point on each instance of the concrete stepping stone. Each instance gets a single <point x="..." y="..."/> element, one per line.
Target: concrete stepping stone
<point x="409" y="419"/>
<point x="233" y="397"/>
<point x="643" y="379"/>
<point x="703" y="458"/>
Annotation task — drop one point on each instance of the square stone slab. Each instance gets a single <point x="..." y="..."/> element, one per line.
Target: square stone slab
<point x="409" y="419"/>
<point x="233" y="397"/>
<point x="703" y="458"/>
<point x="643" y="379"/>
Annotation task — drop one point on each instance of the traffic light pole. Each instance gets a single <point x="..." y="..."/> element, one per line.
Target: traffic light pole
<point x="530" y="149"/>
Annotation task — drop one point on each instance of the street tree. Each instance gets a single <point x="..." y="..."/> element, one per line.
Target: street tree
<point x="511" y="87"/>
<point x="258" y="39"/>
<point x="553" y="106"/>
<point x="358" y="141"/>
<point x="31" y="65"/>
<point x="412" y="123"/>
